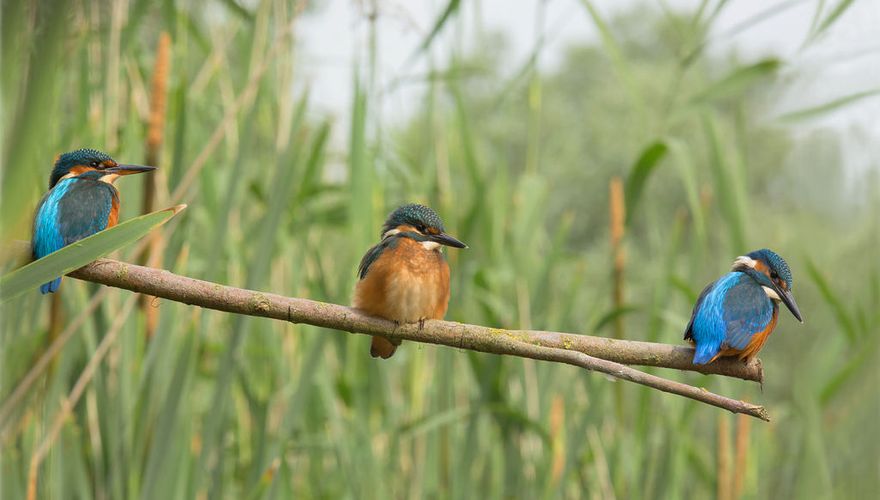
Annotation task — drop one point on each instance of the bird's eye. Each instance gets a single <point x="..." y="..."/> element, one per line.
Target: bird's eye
<point x="94" y="164"/>
<point x="421" y="228"/>
<point x="774" y="275"/>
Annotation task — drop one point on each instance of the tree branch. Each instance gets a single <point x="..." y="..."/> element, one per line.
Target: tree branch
<point x="592" y="353"/>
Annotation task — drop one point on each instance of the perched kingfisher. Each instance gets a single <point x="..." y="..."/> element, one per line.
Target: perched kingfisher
<point x="735" y="315"/>
<point x="405" y="278"/>
<point x="81" y="201"/>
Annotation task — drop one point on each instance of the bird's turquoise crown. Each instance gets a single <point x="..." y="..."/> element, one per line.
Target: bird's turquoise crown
<point x="775" y="262"/>
<point x="415" y="215"/>
<point x="71" y="159"/>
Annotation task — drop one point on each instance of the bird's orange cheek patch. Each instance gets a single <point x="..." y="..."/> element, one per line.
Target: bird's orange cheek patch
<point x="760" y="266"/>
<point x="75" y="171"/>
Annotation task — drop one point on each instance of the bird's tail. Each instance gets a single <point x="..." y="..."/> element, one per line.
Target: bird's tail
<point x="704" y="354"/>
<point x="382" y="348"/>
<point x="50" y="287"/>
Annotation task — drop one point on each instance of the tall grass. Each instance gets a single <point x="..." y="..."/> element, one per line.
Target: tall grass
<point x="214" y="406"/>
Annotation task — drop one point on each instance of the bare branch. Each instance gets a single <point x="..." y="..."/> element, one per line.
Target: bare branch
<point x="592" y="353"/>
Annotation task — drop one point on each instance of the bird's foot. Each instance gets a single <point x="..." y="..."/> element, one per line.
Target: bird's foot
<point x="421" y="324"/>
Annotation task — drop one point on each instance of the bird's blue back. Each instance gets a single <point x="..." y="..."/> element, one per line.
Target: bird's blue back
<point x="74" y="209"/>
<point x="727" y="314"/>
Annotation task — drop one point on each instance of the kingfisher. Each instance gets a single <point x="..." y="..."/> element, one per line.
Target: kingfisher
<point x="734" y="315"/>
<point x="81" y="201"/>
<point x="405" y="277"/>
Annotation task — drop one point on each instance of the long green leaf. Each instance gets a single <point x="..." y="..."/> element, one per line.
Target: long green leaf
<point x="683" y="156"/>
<point x="852" y="367"/>
<point x="828" y="107"/>
<point x="725" y="181"/>
<point x="82" y="252"/>
<point x="834" y="304"/>
<point x="738" y="80"/>
<point x="444" y="16"/>
<point x="830" y="19"/>
<point x="638" y="176"/>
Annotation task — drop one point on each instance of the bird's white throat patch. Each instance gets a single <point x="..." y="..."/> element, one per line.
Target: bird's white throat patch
<point x="771" y="293"/>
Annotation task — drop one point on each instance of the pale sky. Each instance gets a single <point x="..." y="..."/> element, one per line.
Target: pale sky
<point x="845" y="60"/>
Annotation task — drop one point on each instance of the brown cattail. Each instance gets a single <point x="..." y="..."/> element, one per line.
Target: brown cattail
<point x="155" y="128"/>
<point x="557" y="437"/>
<point x="743" y="427"/>
<point x="158" y="98"/>
<point x="723" y="486"/>
<point x="617" y="210"/>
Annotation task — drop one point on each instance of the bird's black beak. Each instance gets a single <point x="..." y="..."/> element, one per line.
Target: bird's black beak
<point x="129" y="169"/>
<point x="788" y="300"/>
<point x="445" y="239"/>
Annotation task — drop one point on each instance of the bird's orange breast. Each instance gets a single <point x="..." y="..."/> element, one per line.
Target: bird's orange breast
<point x="113" y="218"/>
<point x="406" y="283"/>
<point x="758" y="339"/>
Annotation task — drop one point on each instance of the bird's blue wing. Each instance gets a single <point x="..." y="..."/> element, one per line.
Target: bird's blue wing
<point x="71" y="211"/>
<point x="374" y="253"/>
<point x="47" y="232"/>
<point x="688" y="331"/>
<point x="707" y="327"/>
<point x="747" y="311"/>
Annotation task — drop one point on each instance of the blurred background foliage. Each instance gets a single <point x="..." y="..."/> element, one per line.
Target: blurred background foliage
<point x="518" y="161"/>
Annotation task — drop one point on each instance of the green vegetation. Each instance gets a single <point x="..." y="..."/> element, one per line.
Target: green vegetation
<point x="518" y="163"/>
